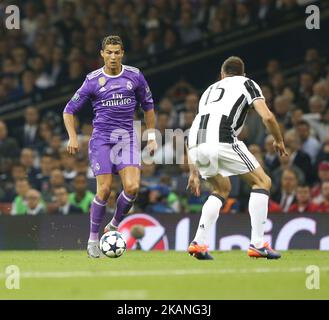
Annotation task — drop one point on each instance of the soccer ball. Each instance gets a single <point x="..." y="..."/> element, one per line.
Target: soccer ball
<point x="112" y="244"/>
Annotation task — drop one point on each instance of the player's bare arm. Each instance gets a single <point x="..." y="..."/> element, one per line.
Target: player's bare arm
<point x="149" y="117"/>
<point x="194" y="177"/>
<point x="272" y="125"/>
<point x="73" y="145"/>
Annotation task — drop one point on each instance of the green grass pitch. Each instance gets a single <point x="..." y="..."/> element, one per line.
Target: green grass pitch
<point x="162" y="275"/>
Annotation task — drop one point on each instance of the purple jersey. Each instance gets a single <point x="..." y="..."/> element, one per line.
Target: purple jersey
<point x="114" y="100"/>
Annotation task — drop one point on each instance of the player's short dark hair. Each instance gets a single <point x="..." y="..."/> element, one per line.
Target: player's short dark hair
<point x="112" y="40"/>
<point x="233" y="66"/>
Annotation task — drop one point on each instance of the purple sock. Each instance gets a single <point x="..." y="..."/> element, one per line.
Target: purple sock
<point x="124" y="203"/>
<point x="97" y="211"/>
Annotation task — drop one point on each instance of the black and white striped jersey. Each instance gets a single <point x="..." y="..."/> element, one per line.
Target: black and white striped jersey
<point x="223" y="108"/>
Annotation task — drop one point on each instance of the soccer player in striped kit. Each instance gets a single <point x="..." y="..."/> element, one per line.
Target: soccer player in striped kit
<point x="216" y="153"/>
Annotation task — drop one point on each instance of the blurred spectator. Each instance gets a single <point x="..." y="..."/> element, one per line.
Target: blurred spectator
<point x="319" y="123"/>
<point x="323" y="174"/>
<point x="34" y="203"/>
<point x="44" y="136"/>
<point x="305" y="90"/>
<point x="59" y="65"/>
<point x="29" y="23"/>
<point x="273" y="67"/>
<point x="8" y="146"/>
<point x="28" y="159"/>
<point x="8" y="180"/>
<point x="28" y="83"/>
<point x="286" y="196"/>
<point x="191" y="103"/>
<point x="309" y="144"/>
<point x="157" y="201"/>
<point x="324" y="152"/>
<point x="271" y="158"/>
<point x="266" y="12"/>
<point x="68" y="23"/>
<point x="18" y="172"/>
<point x="55" y="146"/>
<point x="63" y="206"/>
<point x="68" y="166"/>
<point x="285" y="163"/>
<point x="43" y="78"/>
<point x="303" y="201"/>
<point x="277" y="83"/>
<point x="179" y="90"/>
<point x="166" y="106"/>
<point x="296" y="117"/>
<point x="149" y="176"/>
<point x="170" y="39"/>
<point x="162" y="123"/>
<point x="316" y="105"/>
<point x="321" y="90"/>
<point x="298" y="157"/>
<point x="43" y="177"/>
<point x="19" y="205"/>
<point x="193" y="204"/>
<point x="56" y="180"/>
<point x="282" y="109"/>
<point x="28" y="134"/>
<point x="189" y="32"/>
<point x="172" y="198"/>
<point x="324" y="204"/>
<point x="243" y="17"/>
<point x="81" y="197"/>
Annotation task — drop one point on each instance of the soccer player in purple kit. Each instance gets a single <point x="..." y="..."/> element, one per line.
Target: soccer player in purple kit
<point x="115" y="90"/>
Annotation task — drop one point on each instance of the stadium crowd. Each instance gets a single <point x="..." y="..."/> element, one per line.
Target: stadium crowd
<point x="58" y="40"/>
<point x="58" y="43"/>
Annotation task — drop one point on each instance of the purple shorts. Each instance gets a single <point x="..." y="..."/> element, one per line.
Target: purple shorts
<point x="108" y="157"/>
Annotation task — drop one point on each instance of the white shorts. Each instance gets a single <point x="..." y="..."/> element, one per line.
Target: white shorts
<point x="223" y="158"/>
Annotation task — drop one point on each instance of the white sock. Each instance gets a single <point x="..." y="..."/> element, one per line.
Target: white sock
<point x="258" y="208"/>
<point x="210" y="213"/>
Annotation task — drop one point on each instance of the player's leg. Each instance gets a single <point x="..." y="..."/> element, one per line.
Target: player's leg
<point x="210" y="212"/>
<point x="102" y="168"/>
<point x="98" y="206"/>
<point x="130" y="178"/>
<point x="260" y="184"/>
<point x="97" y="213"/>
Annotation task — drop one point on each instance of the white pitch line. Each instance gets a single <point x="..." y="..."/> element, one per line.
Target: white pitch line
<point x="133" y="273"/>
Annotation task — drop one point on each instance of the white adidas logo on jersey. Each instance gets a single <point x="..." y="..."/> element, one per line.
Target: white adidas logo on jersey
<point x="102" y="89"/>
